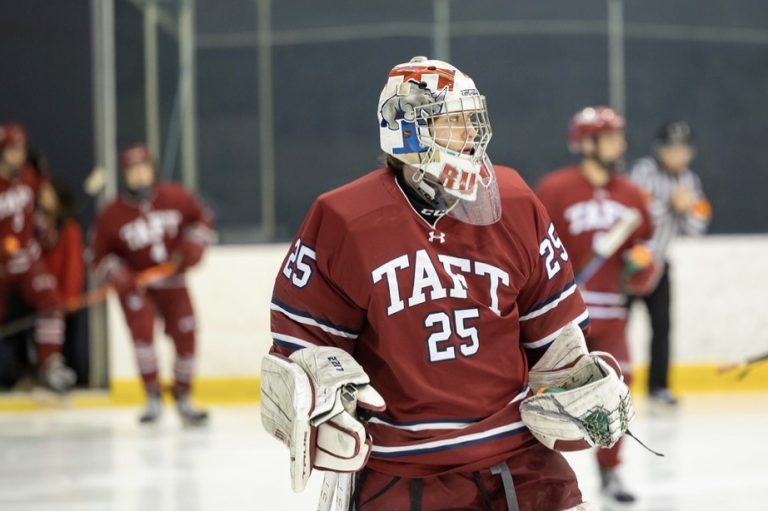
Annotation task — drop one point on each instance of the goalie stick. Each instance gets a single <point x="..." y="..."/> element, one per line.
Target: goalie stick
<point x="609" y="243"/>
<point x="149" y="276"/>
<point x="745" y="365"/>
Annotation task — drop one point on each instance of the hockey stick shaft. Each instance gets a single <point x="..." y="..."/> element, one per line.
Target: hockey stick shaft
<point x="609" y="243"/>
<point x="756" y="359"/>
<point x="93" y="296"/>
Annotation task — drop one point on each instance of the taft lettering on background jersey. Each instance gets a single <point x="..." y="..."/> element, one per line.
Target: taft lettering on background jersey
<point x="17" y="205"/>
<point x="593" y="215"/>
<point x="152" y="228"/>
<point x="145" y="233"/>
<point x="15" y="200"/>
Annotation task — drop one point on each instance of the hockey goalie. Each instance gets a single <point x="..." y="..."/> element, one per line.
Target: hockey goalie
<point x="427" y="349"/>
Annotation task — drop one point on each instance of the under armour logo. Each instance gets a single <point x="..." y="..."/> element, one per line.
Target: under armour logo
<point x="435" y="236"/>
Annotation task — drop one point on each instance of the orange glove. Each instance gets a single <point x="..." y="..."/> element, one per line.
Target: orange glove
<point x="701" y="208"/>
<point x="641" y="272"/>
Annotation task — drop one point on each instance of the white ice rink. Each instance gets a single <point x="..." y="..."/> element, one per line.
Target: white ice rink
<point x="102" y="460"/>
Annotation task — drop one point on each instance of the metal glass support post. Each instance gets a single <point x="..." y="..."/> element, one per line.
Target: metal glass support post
<point x="188" y="100"/>
<point x="441" y="32"/>
<point x="151" y="80"/>
<point x="616" y="73"/>
<point x="105" y="135"/>
<point x="266" y="120"/>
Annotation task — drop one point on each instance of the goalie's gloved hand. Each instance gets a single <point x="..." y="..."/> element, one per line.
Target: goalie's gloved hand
<point x="590" y="407"/>
<point x="309" y="402"/>
<point x="581" y="401"/>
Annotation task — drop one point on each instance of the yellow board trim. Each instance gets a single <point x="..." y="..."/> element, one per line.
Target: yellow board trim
<point x="695" y="378"/>
<point x="684" y="379"/>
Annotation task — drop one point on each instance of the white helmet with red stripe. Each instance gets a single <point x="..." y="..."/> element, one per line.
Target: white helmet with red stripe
<point x="432" y="118"/>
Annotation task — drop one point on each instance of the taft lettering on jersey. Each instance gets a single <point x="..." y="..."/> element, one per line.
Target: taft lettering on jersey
<point x="151" y="228"/>
<point x="426" y="285"/>
<point x="593" y="215"/>
<point x="15" y="200"/>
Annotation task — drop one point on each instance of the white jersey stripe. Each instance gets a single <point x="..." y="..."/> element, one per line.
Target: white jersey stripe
<point x="425" y="426"/>
<point x="438" y="445"/>
<point x="292" y="340"/>
<point x="304" y="320"/>
<point x="601" y="298"/>
<point x="551" y="305"/>
<point x="422" y="426"/>
<point x="607" y="312"/>
<point x="551" y="337"/>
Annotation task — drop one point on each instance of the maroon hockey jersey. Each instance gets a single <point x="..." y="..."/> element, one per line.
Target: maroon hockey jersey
<point x="144" y="234"/>
<point x="439" y="317"/>
<point x="18" y="198"/>
<point x="581" y="213"/>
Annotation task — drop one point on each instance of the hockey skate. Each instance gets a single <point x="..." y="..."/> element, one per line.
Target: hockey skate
<point x="153" y="409"/>
<point x="662" y="401"/>
<point x="190" y="416"/>
<point x="613" y="488"/>
<point x="56" y="376"/>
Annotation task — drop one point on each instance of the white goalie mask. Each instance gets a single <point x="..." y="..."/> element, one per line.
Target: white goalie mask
<point x="433" y="119"/>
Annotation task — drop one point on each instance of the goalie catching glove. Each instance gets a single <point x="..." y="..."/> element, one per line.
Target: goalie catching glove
<point x="309" y="403"/>
<point x="581" y="401"/>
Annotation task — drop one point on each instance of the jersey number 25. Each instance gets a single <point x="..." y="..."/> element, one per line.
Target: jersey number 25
<point x="445" y="330"/>
<point x="551" y="248"/>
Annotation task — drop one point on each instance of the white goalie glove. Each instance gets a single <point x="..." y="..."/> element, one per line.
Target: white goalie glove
<point x="308" y="402"/>
<point x="581" y="401"/>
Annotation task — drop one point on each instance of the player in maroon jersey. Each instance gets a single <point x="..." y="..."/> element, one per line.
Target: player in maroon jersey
<point x="149" y="224"/>
<point x="438" y="281"/>
<point x="585" y="201"/>
<point x="21" y="267"/>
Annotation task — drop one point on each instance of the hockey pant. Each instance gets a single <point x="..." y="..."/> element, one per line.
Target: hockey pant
<point x="37" y="288"/>
<point x="541" y="479"/>
<point x="174" y="306"/>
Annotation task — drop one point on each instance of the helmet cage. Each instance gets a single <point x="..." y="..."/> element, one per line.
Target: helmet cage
<point x="451" y="138"/>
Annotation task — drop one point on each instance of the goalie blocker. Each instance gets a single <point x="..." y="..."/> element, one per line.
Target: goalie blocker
<point x="309" y="403"/>
<point x="581" y="401"/>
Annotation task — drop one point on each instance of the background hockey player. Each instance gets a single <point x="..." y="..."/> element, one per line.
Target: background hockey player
<point x="678" y="207"/>
<point x="585" y="201"/>
<point x="22" y="269"/>
<point x="149" y="224"/>
<point x="417" y="297"/>
<point x="61" y="239"/>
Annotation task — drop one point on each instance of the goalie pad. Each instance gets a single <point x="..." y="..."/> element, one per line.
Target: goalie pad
<point x="587" y="404"/>
<point x="308" y="402"/>
<point x="584" y="406"/>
